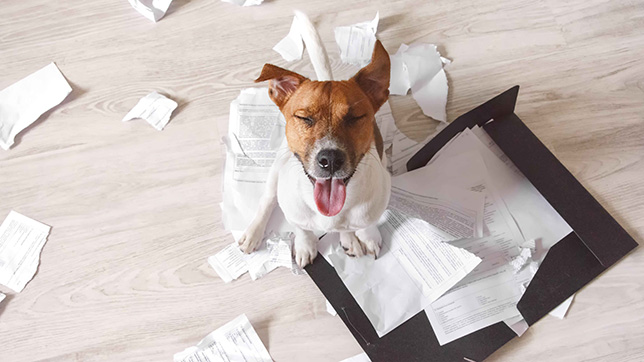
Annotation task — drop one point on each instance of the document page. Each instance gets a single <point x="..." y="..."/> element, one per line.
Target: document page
<point x="235" y="341"/>
<point x="490" y="292"/>
<point x="414" y="267"/>
<point x="21" y="240"/>
<point x="255" y="137"/>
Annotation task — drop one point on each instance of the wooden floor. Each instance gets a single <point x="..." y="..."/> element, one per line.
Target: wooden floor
<point x="135" y="211"/>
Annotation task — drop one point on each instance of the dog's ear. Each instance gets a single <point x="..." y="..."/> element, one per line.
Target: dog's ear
<point x="282" y="83"/>
<point x="374" y="78"/>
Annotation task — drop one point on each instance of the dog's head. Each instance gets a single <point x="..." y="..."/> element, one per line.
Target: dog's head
<point x="330" y="125"/>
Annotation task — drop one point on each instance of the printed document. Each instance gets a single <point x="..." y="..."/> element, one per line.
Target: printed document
<point x="21" y="240"/>
<point x="414" y="268"/>
<point x="235" y="341"/>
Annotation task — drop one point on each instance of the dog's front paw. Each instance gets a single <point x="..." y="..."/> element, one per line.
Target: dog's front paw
<point x="371" y="240"/>
<point x="251" y="239"/>
<point x="351" y="244"/>
<point x="305" y="248"/>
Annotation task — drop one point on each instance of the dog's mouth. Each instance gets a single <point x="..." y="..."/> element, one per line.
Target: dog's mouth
<point x="329" y="194"/>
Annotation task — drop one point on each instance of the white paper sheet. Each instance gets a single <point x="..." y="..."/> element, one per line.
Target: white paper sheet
<point x="489" y="294"/>
<point x="23" y="102"/>
<point x="420" y="67"/>
<point x="231" y="263"/>
<point x="561" y="310"/>
<point x="21" y="240"/>
<point x="536" y="218"/>
<point x="330" y="309"/>
<point x="155" y="108"/>
<point x="2" y="296"/>
<point x="235" y="341"/>
<point x="403" y="148"/>
<point x="291" y="46"/>
<point x="384" y="288"/>
<point x="356" y="41"/>
<point x="255" y="136"/>
<point x="362" y="357"/>
<point x="244" y="2"/>
<point x="399" y="83"/>
<point x="517" y="324"/>
<point x="154" y="10"/>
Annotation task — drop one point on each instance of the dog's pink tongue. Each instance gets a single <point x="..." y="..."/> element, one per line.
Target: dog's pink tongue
<point x="329" y="195"/>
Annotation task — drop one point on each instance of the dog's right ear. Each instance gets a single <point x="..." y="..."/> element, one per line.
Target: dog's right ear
<point x="282" y="83"/>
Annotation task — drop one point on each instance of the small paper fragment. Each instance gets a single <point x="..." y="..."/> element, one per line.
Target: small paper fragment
<point x="562" y="309"/>
<point x="330" y="309"/>
<point x="237" y="340"/>
<point x="153" y="10"/>
<point x="2" y="296"/>
<point x="291" y="46"/>
<point x="229" y="263"/>
<point x="21" y="240"/>
<point x="518" y="262"/>
<point x="356" y="41"/>
<point x="23" y="102"/>
<point x="155" y="108"/>
<point x="244" y="2"/>
<point x="362" y="357"/>
<point x="399" y="79"/>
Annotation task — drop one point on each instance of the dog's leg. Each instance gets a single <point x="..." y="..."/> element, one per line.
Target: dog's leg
<point x="305" y="247"/>
<point x="362" y="242"/>
<point x="254" y="234"/>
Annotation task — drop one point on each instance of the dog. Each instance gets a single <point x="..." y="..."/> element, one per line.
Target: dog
<point x="331" y="176"/>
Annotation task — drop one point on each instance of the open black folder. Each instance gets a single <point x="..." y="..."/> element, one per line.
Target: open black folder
<point x="596" y="243"/>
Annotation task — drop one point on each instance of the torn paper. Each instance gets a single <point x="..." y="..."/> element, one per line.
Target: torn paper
<point x="23" y="102"/>
<point x="362" y="357"/>
<point x="2" y="296"/>
<point x="244" y="2"/>
<point x="330" y="309"/>
<point x="561" y="310"/>
<point x="518" y="325"/>
<point x="427" y="79"/>
<point x="399" y="80"/>
<point x="151" y="9"/>
<point x="21" y="240"/>
<point x="154" y="108"/>
<point x="391" y="289"/>
<point x="231" y="263"/>
<point x="235" y="341"/>
<point x="356" y="41"/>
<point x="291" y="46"/>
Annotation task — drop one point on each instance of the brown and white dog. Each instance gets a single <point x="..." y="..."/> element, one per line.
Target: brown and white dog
<point x="332" y="176"/>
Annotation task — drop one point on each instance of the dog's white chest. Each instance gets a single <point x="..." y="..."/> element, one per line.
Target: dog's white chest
<point x="367" y="197"/>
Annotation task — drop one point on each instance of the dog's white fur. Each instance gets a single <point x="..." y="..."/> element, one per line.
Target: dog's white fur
<point x="367" y="193"/>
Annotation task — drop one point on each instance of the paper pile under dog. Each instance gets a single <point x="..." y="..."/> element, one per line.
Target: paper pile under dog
<point x="520" y="226"/>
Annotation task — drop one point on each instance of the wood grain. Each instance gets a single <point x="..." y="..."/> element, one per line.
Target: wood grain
<point x="135" y="211"/>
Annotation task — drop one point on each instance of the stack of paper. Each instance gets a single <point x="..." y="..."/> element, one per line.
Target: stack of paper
<point x="235" y="341"/>
<point x="21" y="240"/>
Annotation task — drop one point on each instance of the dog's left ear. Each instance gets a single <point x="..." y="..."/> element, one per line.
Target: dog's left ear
<point x="282" y="83"/>
<point x="374" y="78"/>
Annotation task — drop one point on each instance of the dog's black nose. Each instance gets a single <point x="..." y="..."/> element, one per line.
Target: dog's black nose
<point x="330" y="160"/>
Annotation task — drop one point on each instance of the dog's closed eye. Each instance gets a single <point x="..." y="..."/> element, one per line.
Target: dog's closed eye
<point x="351" y="120"/>
<point x="308" y="120"/>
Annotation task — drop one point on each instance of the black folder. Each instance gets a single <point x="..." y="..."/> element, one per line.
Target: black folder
<point x="596" y="243"/>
